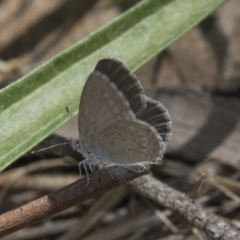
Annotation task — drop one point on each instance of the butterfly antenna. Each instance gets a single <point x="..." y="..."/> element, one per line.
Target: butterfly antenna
<point x="56" y="145"/>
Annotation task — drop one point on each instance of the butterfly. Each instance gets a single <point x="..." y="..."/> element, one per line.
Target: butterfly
<point x="117" y="123"/>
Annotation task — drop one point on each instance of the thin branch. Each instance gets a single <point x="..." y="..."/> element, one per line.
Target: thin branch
<point x="193" y="213"/>
<point x="75" y="193"/>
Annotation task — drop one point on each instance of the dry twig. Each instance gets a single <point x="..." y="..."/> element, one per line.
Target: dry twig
<point x="193" y="213"/>
<point x="75" y="193"/>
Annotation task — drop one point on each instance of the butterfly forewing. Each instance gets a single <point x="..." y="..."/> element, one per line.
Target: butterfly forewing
<point x="100" y="107"/>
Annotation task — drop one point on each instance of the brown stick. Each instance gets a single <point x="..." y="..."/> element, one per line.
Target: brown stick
<point x="75" y="193"/>
<point x="193" y="213"/>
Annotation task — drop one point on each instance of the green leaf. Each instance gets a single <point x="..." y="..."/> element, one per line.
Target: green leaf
<point x="34" y="106"/>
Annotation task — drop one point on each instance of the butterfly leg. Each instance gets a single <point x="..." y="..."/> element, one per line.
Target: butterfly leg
<point x="85" y="168"/>
<point x="90" y="167"/>
<point x="84" y="164"/>
<point x="80" y="169"/>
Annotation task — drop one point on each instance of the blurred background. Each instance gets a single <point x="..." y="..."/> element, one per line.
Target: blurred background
<point x="197" y="79"/>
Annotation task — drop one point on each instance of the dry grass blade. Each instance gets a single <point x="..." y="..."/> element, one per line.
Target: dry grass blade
<point x="101" y="206"/>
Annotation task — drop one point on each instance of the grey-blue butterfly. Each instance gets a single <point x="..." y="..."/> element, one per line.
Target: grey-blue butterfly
<point x="118" y="124"/>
